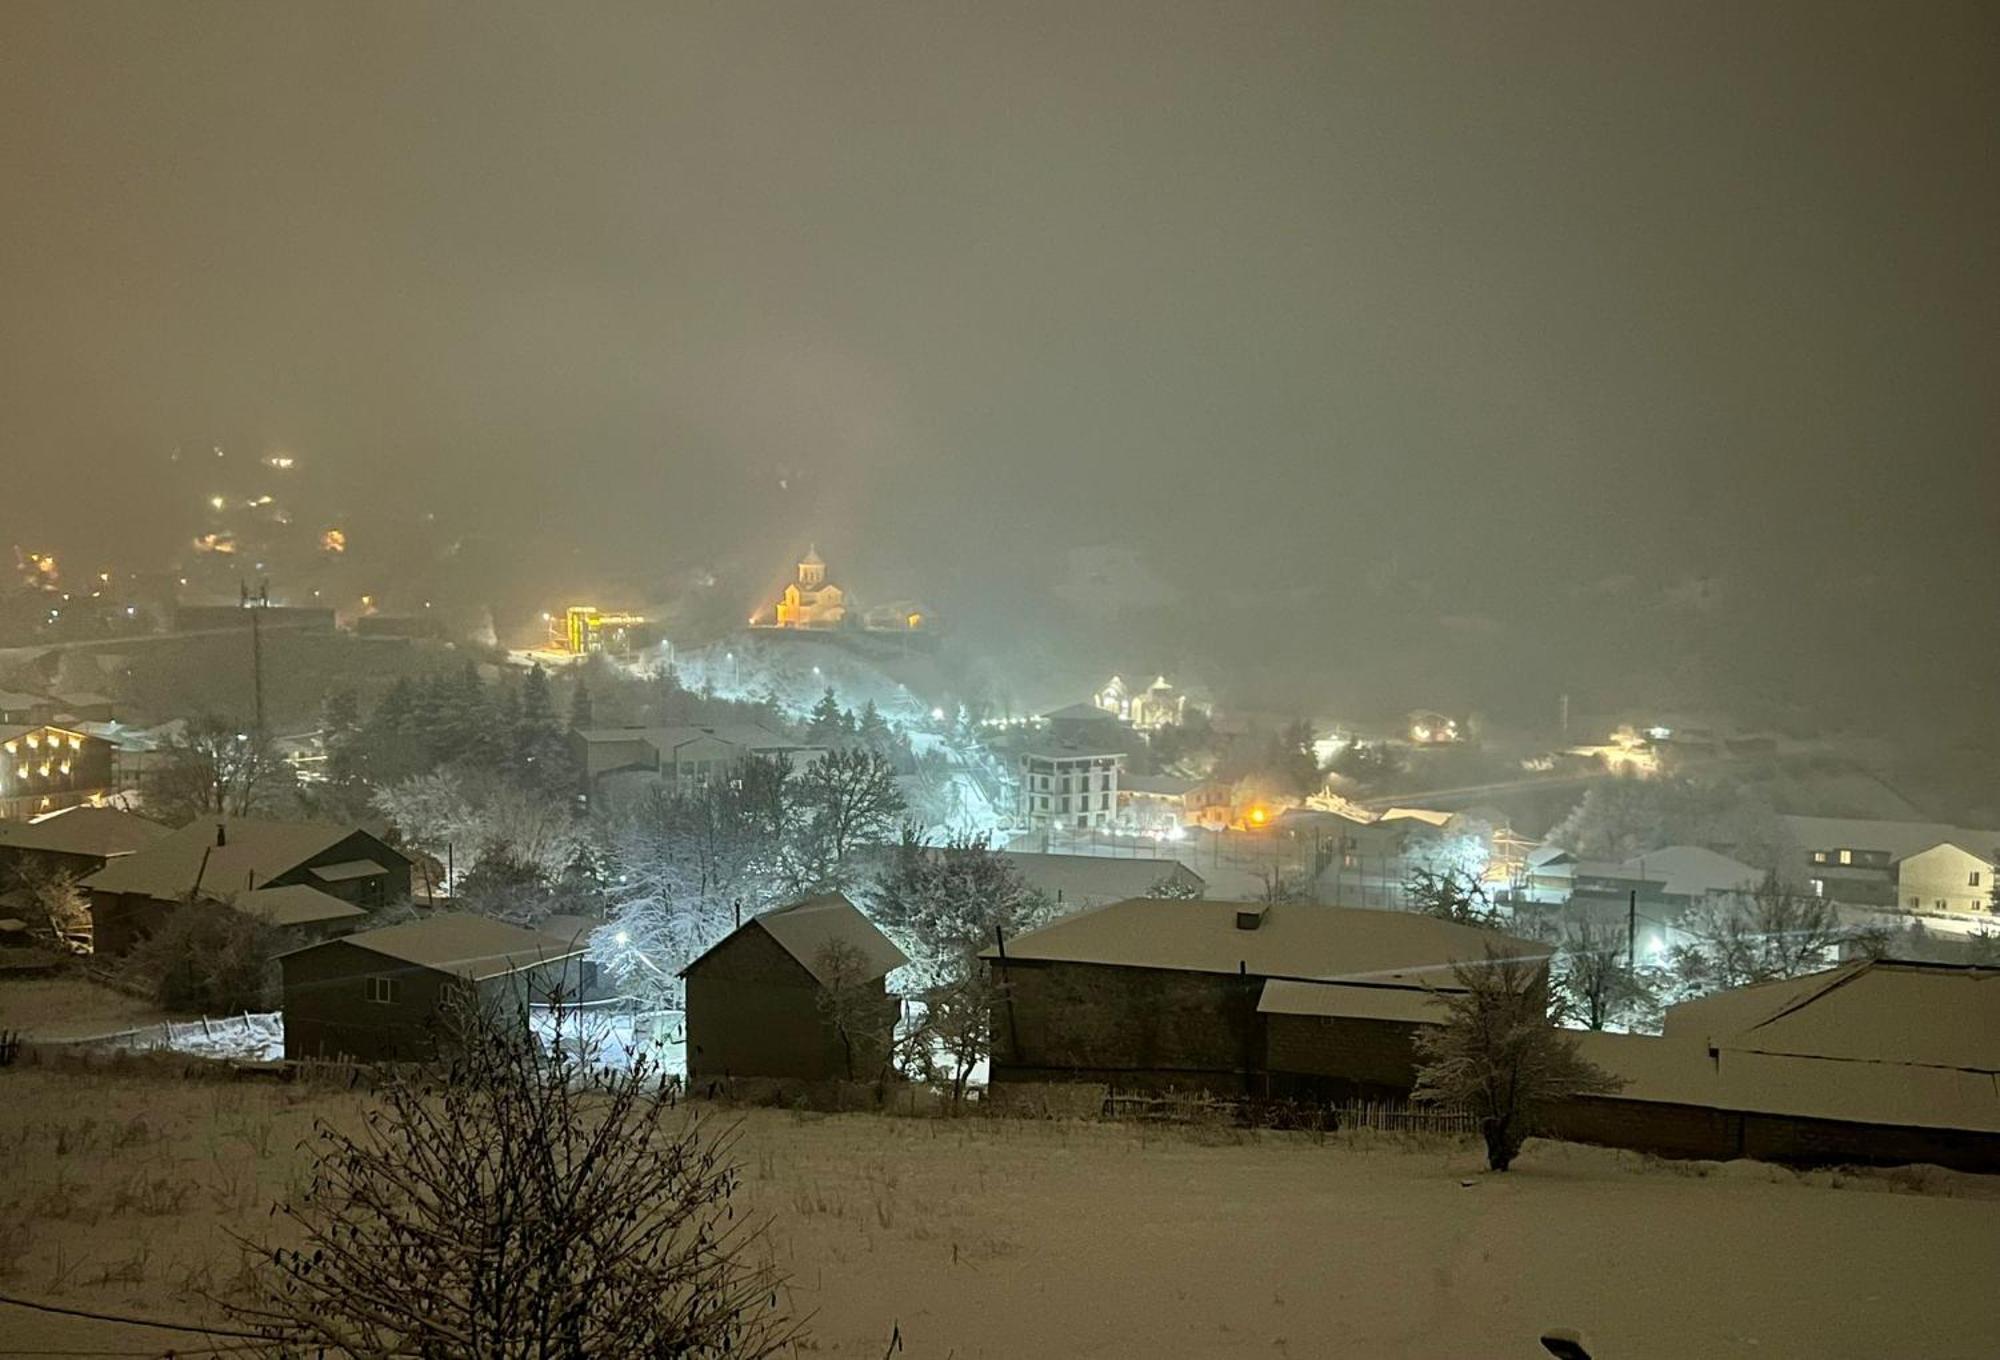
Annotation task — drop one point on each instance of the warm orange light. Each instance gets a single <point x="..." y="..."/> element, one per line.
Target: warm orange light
<point x="333" y="541"/>
<point x="1257" y="816"/>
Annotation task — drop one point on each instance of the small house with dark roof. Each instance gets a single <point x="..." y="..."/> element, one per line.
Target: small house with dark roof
<point x="755" y="999"/>
<point x="219" y="859"/>
<point x="380" y="995"/>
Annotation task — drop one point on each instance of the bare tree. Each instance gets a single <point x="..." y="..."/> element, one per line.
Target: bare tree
<point x="852" y="797"/>
<point x="858" y="1014"/>
<point x="1450" y="894"/>
<point x="521" y="1204"/>
<point x="213" y="768"/>
<point x="1498" y="1056"/>
<point x="1282" y="889"/>
<point x="1595" y="982"/>
<point x="1776" y="932"/>
<point x="954" y="1030"/>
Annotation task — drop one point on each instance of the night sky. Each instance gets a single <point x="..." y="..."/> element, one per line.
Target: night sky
<point x="1345" y="351"/>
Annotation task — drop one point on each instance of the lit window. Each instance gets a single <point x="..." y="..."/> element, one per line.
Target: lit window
<point x="383" y="989"/>
<point x="1847" y="857"/>
<point x="1819" y="857"/>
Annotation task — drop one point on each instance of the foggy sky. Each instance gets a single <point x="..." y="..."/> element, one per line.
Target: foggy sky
<point x="1477" y="349"/>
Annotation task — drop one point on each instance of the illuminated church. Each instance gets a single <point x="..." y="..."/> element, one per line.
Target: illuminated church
<point x="812" y="601"/>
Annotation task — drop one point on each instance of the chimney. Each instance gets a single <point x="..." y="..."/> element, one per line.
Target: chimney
<point x="1251" y="916"/>
<point x="221" y="836"/>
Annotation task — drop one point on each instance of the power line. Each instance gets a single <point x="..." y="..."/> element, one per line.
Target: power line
<point x="131" y="1321"/>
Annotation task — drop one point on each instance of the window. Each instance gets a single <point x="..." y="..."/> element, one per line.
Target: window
<point x="1819" y="887"/>
<point x="383" y="989"/>
<point x="1973" y="881"/>
<point x="1819" y="857"/>
<point x="1916" y="902"/>
<point x="1941" y="905"/>
<point x="1847" y="857"/>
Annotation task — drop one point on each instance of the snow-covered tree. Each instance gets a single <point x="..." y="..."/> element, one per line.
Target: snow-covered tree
<point x="945" y="903"/>
<point x="1498" y="1056"/>
<point x="827" y="724"/>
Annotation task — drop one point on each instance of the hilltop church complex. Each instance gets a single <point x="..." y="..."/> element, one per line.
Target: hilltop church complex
<point x="813" y="603"/>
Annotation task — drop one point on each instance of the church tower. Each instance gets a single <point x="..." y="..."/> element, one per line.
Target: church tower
<point x="812" y="569"/>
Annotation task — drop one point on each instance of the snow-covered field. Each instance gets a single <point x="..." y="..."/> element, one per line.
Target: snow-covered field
<point x="984" y="1238"/>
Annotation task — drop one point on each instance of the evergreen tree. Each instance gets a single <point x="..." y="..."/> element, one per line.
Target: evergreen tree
<point x="582" y="713"/>
<point x="873" y="730"/>
<point x="823" y="726"/>
<point x="475" y="733"/>
<point x="541" y="752"/>
<point x="340" y="743"/>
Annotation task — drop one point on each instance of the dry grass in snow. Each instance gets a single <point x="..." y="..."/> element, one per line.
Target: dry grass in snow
<point x="991" y="1238"/>
<point x="70" y="1006"/>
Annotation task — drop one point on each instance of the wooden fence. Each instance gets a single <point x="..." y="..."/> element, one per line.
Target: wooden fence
<point x="1382" y="1116"/>
<point x="1402" y="1116"/>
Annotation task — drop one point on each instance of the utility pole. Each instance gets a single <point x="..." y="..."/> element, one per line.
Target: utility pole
<point x="257" y="665"/>
<point x="1632" y="931"/>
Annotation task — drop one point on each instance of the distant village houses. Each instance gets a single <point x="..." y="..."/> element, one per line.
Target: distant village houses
<point x="44" y="768"/>
<point x="682" y="758"/>
<point x="1924" y="868"/>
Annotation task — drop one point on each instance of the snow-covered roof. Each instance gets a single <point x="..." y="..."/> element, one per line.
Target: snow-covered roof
<point x="1352" y="1001"/>
<point x="1682" y="1071"/>
<point x="345" y="870"/>
<point x="1899" y="839"/>
<point x="1290" y="940"/>
<point x="464" y="945"/>
<point x="665" y="740"/>
<point x="805" y="930"/>
<point x="294" y="904"/>
<point x="1079" y="713"/>
<point x="1695" y="871"/>
<point x="1428" y="816"/>
<point x="1091" y="880"/>
<point x="83" y="830"/>
<point x="253" y="852"/>
<point x="1883" y="1011"/>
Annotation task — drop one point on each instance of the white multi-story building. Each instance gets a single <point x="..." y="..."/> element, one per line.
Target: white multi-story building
<point x="1945" y="878"/>
<point x="1063" y="786"/>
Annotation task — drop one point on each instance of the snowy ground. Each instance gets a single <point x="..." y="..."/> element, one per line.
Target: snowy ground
<point x="982" y="1238"/>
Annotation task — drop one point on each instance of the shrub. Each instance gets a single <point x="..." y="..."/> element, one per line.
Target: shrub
<point x="205" y="957"/>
